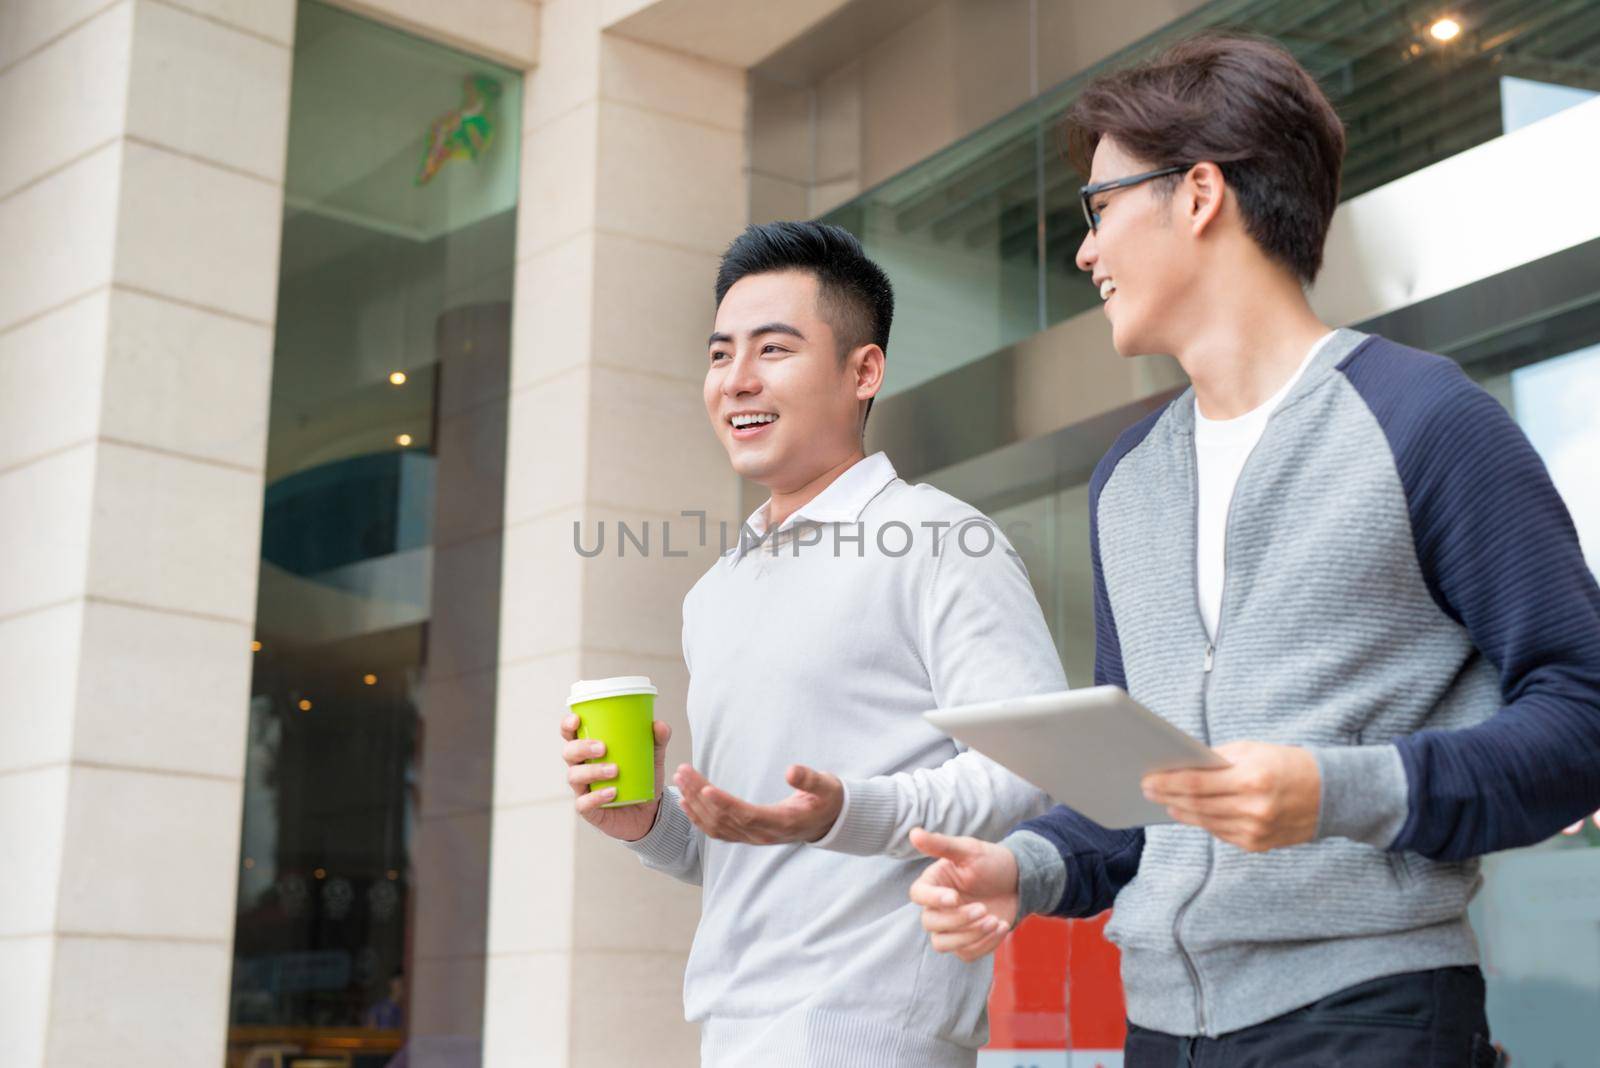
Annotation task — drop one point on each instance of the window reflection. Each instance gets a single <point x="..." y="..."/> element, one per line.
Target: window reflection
<point x="360" y="934"/>
<point x="980" y="238"/>
<point x="1557" y="402"/>
<point x="1538" y="915"/>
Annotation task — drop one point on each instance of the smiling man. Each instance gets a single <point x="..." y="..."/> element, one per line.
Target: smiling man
<point x="853" y="602"/>
<point x="1336" y="559"/>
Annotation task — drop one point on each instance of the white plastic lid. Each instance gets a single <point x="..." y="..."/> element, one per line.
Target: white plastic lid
<point x="617" y="686"/>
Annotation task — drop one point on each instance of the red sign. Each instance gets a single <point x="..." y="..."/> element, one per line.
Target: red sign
<point x="1057" y="985"/>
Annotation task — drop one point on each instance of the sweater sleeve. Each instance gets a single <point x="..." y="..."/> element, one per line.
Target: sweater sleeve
<point x="983" y="638"/>
<point x="673" y="845"/>
<point x="1500" y="556"/>
<point x="1067" y="864"/>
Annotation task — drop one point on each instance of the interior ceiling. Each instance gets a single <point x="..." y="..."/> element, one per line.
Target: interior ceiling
<point x="1406" y="100"/>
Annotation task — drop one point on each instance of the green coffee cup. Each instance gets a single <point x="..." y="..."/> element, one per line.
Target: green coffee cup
<point x="620" y="712"/>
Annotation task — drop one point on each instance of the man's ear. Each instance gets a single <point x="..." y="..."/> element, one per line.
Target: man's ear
<point x="1204" y="195"/>
<point x="867" y="367"/>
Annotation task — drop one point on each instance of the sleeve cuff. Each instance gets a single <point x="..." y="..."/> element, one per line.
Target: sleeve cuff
<point x="667" y="842"/>
<point x="1365" y="796"/>
<point x="867" y="819"/>
<point x="1041" y="873"/>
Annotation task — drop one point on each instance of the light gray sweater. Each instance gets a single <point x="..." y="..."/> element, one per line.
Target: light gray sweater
<point x="1331" y="637"/>
<point x="821" y="649"/>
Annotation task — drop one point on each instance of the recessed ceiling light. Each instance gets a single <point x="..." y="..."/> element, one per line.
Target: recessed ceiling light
<point x="397" y="378"/>
<point x="1445" y="30"/>
<point x="403" y="440"/>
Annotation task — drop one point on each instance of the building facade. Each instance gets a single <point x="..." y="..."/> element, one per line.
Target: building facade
<point x="331" y="334"/>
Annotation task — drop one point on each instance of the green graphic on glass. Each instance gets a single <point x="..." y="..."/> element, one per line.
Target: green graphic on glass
<point x="620" y="712"/>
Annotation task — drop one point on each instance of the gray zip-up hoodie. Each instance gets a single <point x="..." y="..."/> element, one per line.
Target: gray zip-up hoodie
<point x="1397" y="562"/>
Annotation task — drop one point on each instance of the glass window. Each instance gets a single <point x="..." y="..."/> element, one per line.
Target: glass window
<point x="1556" y="402"/>
<point x="980" y="240"/>
<point x="960" y="248"/>
<point x="1538" y="915"/>
<point x="364" y="857"/>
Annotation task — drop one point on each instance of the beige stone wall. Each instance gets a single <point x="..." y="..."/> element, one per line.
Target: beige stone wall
<point x="140" y="203"/>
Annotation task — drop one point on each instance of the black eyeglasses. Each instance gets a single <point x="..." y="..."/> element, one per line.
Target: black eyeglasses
<point x="1092" y="217"/>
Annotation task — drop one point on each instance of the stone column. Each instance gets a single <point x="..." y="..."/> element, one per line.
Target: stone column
<point x="632" y="184"/>
<point x="141" y="192"/>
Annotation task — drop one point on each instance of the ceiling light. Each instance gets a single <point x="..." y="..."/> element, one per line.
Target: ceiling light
<point x="370" y="680"/>
<point x="1445" y="30"/>
<point x="403" y="440"/>
<point x="397" y="378"/>
<point x="305" y="705"/>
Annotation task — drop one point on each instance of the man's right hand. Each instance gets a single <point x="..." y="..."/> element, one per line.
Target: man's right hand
<point x="629" y="823"/>
<point x="968" y="896"/>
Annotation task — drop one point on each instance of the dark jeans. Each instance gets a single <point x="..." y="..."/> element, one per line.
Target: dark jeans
<point x="1431" y="1019"/>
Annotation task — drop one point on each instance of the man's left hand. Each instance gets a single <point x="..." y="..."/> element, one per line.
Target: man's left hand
<point x="1268" y="797"/>
<point x="804" y="816"/>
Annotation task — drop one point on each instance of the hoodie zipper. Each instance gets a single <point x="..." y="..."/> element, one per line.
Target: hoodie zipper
<point x="1207" y="664"/>
<point x="1205" y="730"/>
<point x="1212" y="640"/>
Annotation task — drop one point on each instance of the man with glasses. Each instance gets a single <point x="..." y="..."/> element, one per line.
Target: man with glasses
<point x="1336" y="560"/>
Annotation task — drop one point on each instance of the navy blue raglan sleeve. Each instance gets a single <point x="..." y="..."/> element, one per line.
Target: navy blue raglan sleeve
<point x="1090" y="864"/>
<point x="1500" y="556"/>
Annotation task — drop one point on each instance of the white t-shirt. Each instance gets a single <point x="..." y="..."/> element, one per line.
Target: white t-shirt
<point x="1221" y="447"/>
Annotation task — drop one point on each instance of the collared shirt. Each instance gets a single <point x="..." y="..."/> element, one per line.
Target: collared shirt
<point x="874" y="602"/>
<point x="841" y="501"/>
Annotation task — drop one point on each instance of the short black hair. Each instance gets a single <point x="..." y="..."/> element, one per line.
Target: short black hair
<point x="854" y="293"/>
<point x="1240" y="101"/>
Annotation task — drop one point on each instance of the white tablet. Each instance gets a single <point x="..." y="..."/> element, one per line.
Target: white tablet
<point x="1086" y="748"/>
